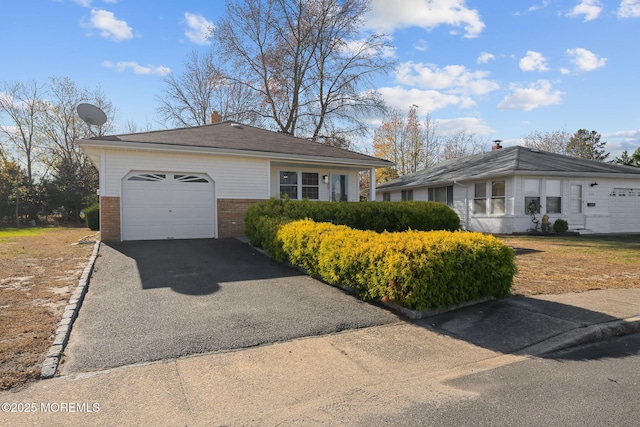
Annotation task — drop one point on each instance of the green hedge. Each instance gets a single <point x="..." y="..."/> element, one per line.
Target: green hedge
<point x="92" y="217"/>
<point x="413" y="269"/>
<point x="375" y="216"/>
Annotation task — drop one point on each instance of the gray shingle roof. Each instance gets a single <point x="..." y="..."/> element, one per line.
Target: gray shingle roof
<point x="507" y="161"/>
<point x="230" y="135"/>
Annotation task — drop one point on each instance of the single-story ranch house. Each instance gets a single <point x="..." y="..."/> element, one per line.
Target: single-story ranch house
<point x="491" y="191"/>
<point x="198" y="182"/>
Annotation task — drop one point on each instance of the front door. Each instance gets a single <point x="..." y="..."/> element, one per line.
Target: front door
<point x="576" y="206"/>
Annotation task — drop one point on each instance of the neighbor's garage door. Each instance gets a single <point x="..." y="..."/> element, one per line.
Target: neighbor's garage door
<point x="624" y="208"/>
<point x="166" y="205"/>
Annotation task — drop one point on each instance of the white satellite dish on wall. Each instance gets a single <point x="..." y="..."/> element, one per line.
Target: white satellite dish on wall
<point x="92" y="115"/>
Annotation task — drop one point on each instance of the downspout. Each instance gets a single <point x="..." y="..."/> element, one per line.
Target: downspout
<point x="466" y="203"/>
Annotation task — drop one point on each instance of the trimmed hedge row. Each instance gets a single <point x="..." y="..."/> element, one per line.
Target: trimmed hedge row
<point x="376" y="216"/>
<point x="413" y="269"/>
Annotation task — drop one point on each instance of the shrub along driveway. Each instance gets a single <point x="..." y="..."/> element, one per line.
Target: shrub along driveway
<point x="165" y="299"/>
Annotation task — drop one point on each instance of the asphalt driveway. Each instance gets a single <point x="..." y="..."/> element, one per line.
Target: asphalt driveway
<point x="157" y="300"/>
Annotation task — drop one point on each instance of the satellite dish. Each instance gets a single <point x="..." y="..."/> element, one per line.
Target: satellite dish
<point x="91" y="115"/>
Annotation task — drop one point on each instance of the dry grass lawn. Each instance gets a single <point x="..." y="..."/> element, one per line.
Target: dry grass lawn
<point x="570" y="263"/>
<point x="39" y="270"/>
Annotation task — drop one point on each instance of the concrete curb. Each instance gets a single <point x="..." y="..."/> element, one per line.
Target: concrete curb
<point x="51" y="361"/>
<point x="586" y="335"/>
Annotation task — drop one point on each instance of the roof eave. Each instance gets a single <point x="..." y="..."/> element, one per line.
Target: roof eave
<point x="440" y="183"/>
<point x="146" y="146"/>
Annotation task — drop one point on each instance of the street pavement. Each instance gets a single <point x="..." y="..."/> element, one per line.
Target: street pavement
<point x="339" y="377"/>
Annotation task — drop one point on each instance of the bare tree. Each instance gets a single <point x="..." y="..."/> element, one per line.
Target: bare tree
<point x="431" y="141"/>
<point x="74" y="177"/>
<point x="188" y="99"/>
<point x="460" y="144"/>
<point x="22" y="103"/>
<point x="554" y="142"/>
<point x="308" y="61"/>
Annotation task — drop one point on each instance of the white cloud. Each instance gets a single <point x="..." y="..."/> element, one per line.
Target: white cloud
<point x="585" y="60"/>
<point x="137" y="68"/>
<point x="591" y="9"/>
<point x="629" y="9"/>
<point x="536" y="95"/>
<point x="109" y="26"/>
<point x="422" y="45"/>
<point x="533" y="61"/>
<point x="359" y="47"/>
<point x="390" y="15"/>
<point x="469" y="124"/>
<point x="198" y="28"/>
<point x="453" y="78"/>
<point x="428" y="100"/>
<point x="485" y="57"/>
<point x="84" y="3"/>
<point x="542" y="5"/>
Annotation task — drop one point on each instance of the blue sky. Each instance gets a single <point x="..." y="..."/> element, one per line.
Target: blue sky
<point x="498" y="69"/>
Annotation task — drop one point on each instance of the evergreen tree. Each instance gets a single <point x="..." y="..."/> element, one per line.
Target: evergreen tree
<point x="586" y="144"/>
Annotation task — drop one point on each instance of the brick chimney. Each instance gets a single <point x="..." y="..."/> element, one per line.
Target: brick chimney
<point x="215" y="117"/>
<point x="496" y="145"/>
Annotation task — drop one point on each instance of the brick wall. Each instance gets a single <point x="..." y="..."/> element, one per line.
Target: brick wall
<point x="110" y="219"/>
<point x="231" y="216"/>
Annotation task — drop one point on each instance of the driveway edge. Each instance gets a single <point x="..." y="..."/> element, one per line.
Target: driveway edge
<point x="51" y="361"/>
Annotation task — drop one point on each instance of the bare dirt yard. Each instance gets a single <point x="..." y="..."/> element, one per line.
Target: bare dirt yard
<point x="39" y="270"/>
<point x="559" y="264"/>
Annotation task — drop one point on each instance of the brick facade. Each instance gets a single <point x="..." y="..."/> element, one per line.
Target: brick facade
<point x="110" y="219"/>
<point x="231" y="216"/>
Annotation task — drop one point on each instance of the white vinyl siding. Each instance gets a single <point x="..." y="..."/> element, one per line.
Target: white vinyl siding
<point x="235" y="178"/>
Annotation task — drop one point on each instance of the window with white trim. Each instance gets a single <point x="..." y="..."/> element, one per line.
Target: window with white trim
<point x="553" y="189"/>
<point x="386" y="196"/>
<point x="442" y="195"/>
<point x="480" y="198"/>
<point x="498" y="197"/>
<point x="288" y="184"/>
<point x="407" y="195"/>
<point x="531" y="196"/>
<point x="310" y="185"/>
<point x="299" y="185"/>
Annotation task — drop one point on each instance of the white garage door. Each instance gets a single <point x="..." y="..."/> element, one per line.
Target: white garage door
<point x="624" y="208"/>
<point x="167" y="205"/>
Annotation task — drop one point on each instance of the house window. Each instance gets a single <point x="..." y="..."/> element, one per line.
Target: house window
<point x="386" y="196"/>
<point x="407" y="195"/>
<point x="295" y="185"/>
<point x="288" y="184"/>
<point x="497" y="197"/>
<point x="554" y="196"/>
<point x="531" y="196"/>
<point x="310" y="186"/>
<point x="442" y="195"/>
<point x="480" y="198"/>
<point x="339" y="188"/>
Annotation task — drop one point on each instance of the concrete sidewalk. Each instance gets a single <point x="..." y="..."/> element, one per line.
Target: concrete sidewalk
<point x="335" y="379"/>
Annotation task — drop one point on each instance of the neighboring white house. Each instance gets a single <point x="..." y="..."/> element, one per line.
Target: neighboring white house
<point x="491" y="191"/>
<point x="198" y="182"/>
